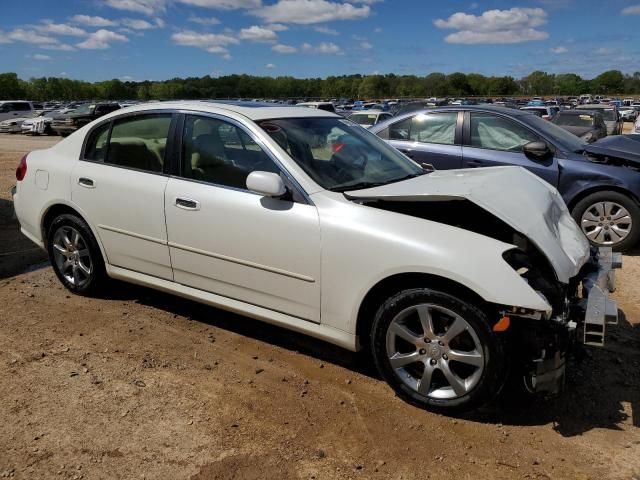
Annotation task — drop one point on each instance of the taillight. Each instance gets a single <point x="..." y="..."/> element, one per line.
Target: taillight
<point x="21" y="171"/>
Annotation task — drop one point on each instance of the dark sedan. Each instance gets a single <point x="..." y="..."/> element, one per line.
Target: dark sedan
<point x="586" y="124"/>
<point x="599" y="183"/>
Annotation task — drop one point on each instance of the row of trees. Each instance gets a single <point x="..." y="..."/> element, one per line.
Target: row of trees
<point x="612" y="82"/>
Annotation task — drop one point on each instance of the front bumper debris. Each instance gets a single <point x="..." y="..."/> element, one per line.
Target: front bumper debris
<point x="599" y="308"/>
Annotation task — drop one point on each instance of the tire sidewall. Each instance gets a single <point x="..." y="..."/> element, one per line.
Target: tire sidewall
<point x="98" y="274"/>
<point x="494" y="372"/>
<point x="617" y="197"/>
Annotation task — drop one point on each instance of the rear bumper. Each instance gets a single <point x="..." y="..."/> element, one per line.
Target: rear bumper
<point x="599" y="308"/>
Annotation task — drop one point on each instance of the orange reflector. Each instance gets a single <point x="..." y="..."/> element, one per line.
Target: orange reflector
<point x="502" y="325"/>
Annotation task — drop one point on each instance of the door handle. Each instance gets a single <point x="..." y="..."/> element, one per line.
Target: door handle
<point x="187" y="203"/>
<point x="475" y="164"/>
<point x="408" y="153"/>
<point x="86" y="182"/>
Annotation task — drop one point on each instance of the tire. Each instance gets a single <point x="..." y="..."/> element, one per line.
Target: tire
<point x="433" y="348"/>
<point x="596" y="215"/>
<point x="75" y="255"/>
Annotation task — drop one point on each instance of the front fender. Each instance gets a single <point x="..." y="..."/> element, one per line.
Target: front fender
<point x="363" y="245"/>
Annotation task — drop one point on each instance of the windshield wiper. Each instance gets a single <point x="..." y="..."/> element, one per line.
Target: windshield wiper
<point x="362" y="185"/>
<point x="356" y="186"/>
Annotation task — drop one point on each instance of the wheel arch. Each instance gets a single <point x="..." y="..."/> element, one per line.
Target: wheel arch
<point x="582" y="194"/>
<point x="56" y="209"/>
<point x="402" y="281"/>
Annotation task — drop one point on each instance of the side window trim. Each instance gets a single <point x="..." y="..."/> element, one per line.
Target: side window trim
<point x="289" y="179"/>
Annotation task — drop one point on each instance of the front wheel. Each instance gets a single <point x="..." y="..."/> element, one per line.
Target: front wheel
<point x="609" y="219"/>
<point x="437" y="352"/>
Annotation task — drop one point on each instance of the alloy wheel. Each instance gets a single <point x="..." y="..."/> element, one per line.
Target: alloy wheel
<point x="72" y="256"/>
<point x="434" y="351"/>
<point x="606" y="223"/>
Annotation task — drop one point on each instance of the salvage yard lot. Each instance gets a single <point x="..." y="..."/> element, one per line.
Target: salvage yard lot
<point x="141" y="384"/>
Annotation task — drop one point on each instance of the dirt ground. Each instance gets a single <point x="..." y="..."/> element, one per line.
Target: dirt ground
<point x="140" y="384"/>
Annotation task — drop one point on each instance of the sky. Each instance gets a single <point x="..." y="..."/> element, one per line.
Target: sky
<point x="160" y="39"/>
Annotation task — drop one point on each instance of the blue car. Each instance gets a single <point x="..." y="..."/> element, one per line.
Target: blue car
<point x="600" y="182"/>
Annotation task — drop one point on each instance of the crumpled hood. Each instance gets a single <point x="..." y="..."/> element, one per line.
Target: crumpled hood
<point x="626" y="147"/>
<point x="516" y="196"/>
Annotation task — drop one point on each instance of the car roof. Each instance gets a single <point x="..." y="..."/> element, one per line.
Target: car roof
<point x="251" y="110"/>
<point x="598" y="106"/>
<point x="582" y="111"/>
<point x="480" y="108"/>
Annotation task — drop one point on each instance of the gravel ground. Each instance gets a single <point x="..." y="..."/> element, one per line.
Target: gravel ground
<point x="140" y="384"/>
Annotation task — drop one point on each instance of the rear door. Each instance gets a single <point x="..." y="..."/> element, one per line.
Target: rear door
<point x="119" y="184"/>
<point x="494" y="140"/>
<point x="432" y="138"/>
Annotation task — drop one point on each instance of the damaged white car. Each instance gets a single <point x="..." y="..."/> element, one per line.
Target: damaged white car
<point x="303" y="219"/>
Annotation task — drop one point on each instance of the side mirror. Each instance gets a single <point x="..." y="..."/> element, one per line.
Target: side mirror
<point x="266" y="183"/>
<point x="537" y="150"/>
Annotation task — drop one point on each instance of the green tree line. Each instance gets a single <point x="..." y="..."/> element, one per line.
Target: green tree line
<point x="612" y="82"/>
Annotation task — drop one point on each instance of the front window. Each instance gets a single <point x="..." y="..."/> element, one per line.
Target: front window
<point x="338" y="154"/>
<point x="497" y="133"/>
<point x="219" y="152"/>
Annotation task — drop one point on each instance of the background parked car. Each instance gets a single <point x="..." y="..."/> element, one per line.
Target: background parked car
<point x="600" y="192"/>
<point x="70" y="122"/>
<point x="546" y="112"/>
<point x="326" y="106"/>
<point x="46" y="116"/>
<point x="610" y="114"/>
<point x="369" y="118"/>
<point x="14" y="108"/>
<point x="14" y="124"/>
<point x="586" y="124"/>
<point x="628" y="114"/>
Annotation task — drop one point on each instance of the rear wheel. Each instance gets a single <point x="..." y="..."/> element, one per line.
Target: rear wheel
<point x="609" y="219"/>
<point x="436" y="351"/>
<point x="75" y="255"/>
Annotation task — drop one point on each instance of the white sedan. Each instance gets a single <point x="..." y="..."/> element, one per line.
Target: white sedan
<point x="301" y="218"/>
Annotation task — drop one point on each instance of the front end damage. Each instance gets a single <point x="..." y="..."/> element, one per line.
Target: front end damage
<point x="581" y="311"/>
<point x="549" y="252"/>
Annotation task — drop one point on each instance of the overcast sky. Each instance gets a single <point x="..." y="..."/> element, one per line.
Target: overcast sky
<point x="160" y="39"/>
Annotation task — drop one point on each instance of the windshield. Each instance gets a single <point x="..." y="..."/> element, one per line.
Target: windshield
<point x="367" y="119"/>
<point x="609" y="115"/>
<point x="561" y="137"/>
<point x="84" y="109"/>
<point x="338" y="154"/>
<point x="571" y="120"/>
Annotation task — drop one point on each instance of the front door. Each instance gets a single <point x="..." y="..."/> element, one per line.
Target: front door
<point x="227" y="240"/>
<point x="494" y="140"/>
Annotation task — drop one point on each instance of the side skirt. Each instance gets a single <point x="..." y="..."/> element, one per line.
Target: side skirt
<point x="329" y="334"/>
